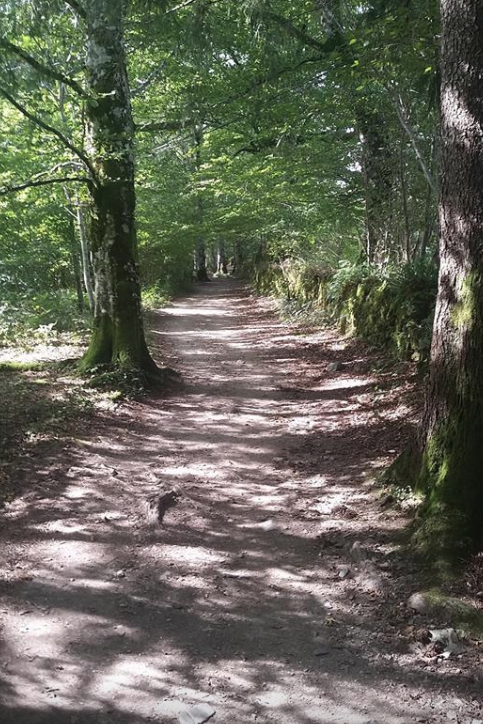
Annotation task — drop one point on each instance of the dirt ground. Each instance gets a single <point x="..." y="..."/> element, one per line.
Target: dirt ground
<point x="275" y="592"/>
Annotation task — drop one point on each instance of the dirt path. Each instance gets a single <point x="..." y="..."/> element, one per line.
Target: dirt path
<point x="248" y="598"/>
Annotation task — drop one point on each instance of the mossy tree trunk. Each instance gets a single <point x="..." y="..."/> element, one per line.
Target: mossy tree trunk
<point x="118" y="336"/>
<point x="451" y="461"/>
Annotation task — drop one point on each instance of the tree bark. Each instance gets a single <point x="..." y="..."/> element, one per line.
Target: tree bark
<point x="377" y="168"/>
<point x="200" y="251"/>
<point x="221" y="260"/>
<point x="118" y="336"/>
<point x="238" y="258"/>
<point x="200" y="261"/>
<point x="85" y="255"/>
<point x="74" y="252"/>
<point x="451" y="466"/>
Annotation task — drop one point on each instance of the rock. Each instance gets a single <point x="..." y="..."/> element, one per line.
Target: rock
<point x="447" y="638"/>
<point x="386" y="501"/>
<point x="417" y="602"/>
<point x="343" y="572"/>
<point x="358" y="552"/>
<point x="369" y="578"/>
<point x="268" y="525"/>
<point x="321" y="651"/>
<point x="333" y="367"/>
<point x="438" y="605"/>
<point x="197" y="714"/>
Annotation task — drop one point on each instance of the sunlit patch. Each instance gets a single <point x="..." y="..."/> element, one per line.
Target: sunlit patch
<point x="183" y="310"/>
<point x="282" y="574"/>
<point x="62" y="526"/>
<point x="192" y="554"/>
<point x="344" y="383"/>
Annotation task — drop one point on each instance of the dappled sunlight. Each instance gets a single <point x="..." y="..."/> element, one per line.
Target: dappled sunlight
<point x="237" y="599"/>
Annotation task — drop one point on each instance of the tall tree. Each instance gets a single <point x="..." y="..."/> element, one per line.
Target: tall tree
<point x="102" y="143"/>
<point x="452" y="450"/>
<point x="118" y="335"/>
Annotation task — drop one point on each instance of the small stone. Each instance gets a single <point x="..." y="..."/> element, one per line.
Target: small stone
<point x="333" y="367"/>
<point x="447" y="639"/>
<point x="358" y="551"/>
<point x="268" y="525"/>
<point x="344" y="572"/>
<point x="120" y="574"/>
<point x="321" y="651"/>
<point x="417" y="602"/>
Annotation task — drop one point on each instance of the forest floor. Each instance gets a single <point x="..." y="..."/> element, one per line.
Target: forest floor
<point x="275" y="592"/>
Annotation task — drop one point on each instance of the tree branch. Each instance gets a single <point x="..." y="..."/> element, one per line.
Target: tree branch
<point x="41" y="68"/>
<point x="146" y="82"/>
<point x="402" y="115"/>
<point x="77" y="7"/>
<point x="185" y="5"/>
<point x="50" y="129"/>
<point x="260" y="82"/>
<point x="43" y="182"/>
<point x="162" y="126"/>
<point x="326" y="46"/>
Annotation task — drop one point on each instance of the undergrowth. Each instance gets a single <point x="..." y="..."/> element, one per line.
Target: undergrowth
<point x="28" y="318"/>
<point x="391" y="308"/>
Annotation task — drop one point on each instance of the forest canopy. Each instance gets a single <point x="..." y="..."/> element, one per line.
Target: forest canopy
<point x="261" y="133"/>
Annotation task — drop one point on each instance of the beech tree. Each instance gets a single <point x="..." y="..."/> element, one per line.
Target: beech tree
<point x="450" y="464"/>
<point x="118" y="336"/>
<point x="107" y="159"/>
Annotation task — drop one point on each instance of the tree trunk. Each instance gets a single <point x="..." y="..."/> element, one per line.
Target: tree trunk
<point x="237" y="258"/>
<point x="221" y="261"/>
<point x="85" y="255"/>
<point x="452" y="437"/>
<point x="200" y="261"/>
<point x="377" y="169"/>
<point x="406" y="246"/>
<point x="201" y="273"/>
<point x="118" y="336"/>
<point x="74" y="252"/>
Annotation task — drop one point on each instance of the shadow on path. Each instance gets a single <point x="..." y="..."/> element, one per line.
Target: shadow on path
<point x="237" y="600"/>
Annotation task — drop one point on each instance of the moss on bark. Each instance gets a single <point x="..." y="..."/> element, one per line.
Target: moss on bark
<point x="451" y="520"/>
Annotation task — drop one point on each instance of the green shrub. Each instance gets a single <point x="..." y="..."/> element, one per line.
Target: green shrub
<point x="28" y="317"/>
<point x="392" y="308"/>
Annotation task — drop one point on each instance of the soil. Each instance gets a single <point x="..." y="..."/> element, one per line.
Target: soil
<point x="275" y="590"/>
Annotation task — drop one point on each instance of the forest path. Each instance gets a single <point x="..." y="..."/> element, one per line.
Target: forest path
<point x="242" y="600"/>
